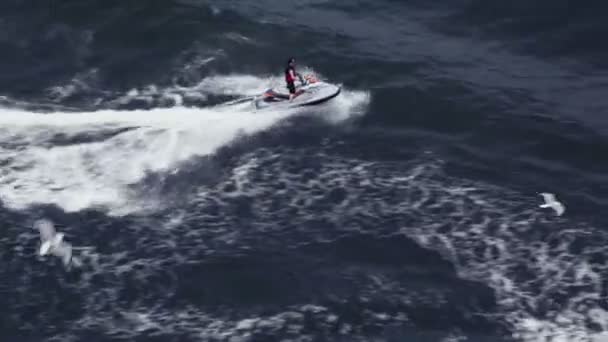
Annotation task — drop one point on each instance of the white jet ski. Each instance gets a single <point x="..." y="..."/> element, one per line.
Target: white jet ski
<point x="309" y="92"/>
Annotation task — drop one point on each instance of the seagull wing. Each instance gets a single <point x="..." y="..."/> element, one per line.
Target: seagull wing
<point x="559" y="209"/>
<point x="66" y="254"/>
<point x="57" y="239"/>
<point x="45" y="247"/>
<point x="549" y="198"/>
<point x="46" y="229"/>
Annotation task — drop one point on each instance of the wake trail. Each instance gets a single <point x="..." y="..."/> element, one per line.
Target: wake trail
<point x="80" y="160"/>
<point x="76" y="175"/>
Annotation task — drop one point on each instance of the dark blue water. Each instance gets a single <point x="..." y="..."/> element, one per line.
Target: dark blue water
<point x="405" y="209"/>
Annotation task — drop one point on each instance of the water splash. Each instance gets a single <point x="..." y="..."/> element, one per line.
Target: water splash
<point x="93" y="159"/>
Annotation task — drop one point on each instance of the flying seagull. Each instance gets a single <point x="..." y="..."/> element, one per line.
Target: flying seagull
<point x="551" y="202"/>
<point x="51" y="242"/>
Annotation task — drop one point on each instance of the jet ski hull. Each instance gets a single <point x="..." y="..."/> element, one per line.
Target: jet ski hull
<point x="309" y="95"/>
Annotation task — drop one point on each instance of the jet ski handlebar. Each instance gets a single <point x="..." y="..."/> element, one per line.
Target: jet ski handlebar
<point x="308" y="79"/>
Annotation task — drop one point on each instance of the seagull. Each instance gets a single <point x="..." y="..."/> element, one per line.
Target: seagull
<point x="52" y="242"/>
<point x="551" y="202"/>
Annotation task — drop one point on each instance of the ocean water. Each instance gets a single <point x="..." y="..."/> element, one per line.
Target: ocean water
<point x="405" y="209"/>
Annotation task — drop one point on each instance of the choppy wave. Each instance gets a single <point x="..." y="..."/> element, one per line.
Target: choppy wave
<point x="551" y="28"/>
<point x="97" y="159"/>
<point x="404" y="209"/>
<point x="547" y="273"/>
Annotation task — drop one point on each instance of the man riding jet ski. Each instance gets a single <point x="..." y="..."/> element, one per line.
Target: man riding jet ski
<point x="310" y="91"/>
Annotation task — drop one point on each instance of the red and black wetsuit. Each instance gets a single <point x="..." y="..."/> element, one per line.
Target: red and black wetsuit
<point x="289" y="79"/>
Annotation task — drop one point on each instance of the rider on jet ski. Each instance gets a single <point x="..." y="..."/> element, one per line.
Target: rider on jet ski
<point x="290" y="77"/>
<point x="316" y="91"/>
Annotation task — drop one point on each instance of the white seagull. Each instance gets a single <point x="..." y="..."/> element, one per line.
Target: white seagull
<point x="52" y="242"/>
<point x="551" y="202"/>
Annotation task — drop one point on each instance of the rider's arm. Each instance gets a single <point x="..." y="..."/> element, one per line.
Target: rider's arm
<point x="300" y="77"/>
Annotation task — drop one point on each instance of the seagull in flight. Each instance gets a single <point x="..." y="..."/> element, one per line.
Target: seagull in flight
<point x="551" y="202"/>
<point x="51" y="242"/>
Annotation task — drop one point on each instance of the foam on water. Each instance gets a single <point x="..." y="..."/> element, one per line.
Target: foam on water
<point x="548" y="279"/>
<point x="547" y="276"/>
<point x="46" y="161"/>
<point x="77" y="175"/>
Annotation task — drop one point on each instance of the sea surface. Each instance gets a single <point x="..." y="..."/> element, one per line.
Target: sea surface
<point x="405" y="209"/>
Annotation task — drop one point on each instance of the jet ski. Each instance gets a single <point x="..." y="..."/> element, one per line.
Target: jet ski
<point x="310" y="91"/>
